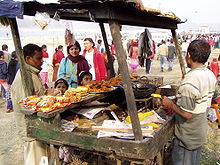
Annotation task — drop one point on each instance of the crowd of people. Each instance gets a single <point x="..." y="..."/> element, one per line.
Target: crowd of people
<point x="82" y="67"/>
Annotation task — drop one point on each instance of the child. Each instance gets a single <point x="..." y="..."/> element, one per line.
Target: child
<point x="85" y="78"/>
<point x="3" y="82"/>
<point x="61" y="85"/>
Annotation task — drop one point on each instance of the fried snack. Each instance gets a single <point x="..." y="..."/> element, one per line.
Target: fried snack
<point x="33" y="101"/>
<point x="114" y="81"/>
<point x="99" y="86"/>
<point x="27" y="99"/>
<point x="76" y="94"/>
<point x="62" y="99"/>
<point x="46" y="101"/>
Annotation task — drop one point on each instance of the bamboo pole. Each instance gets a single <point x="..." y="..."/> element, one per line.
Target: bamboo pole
<point x="110" y="62"/>
<point x="26" y="78"/>
<point x="121" y="56"/>
<point x="182" y="65"/>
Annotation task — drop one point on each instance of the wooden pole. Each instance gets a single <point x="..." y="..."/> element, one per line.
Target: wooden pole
<point x="182" y="65"/>
<point x="110" y="59"/>
<point x="121" y="56"/>
<point x="26" y="78"/>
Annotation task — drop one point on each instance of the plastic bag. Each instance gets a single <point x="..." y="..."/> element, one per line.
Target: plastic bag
<point x="42" y="19"/>
<point x="212" y="116"/>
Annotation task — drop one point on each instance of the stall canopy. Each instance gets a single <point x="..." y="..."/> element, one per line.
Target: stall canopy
<point x="125" y="12"/>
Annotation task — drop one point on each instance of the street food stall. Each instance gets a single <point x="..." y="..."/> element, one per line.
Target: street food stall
<point x="47" y="126"/>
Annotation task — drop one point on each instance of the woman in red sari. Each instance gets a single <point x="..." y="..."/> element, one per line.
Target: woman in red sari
<point x="57" y="57"/>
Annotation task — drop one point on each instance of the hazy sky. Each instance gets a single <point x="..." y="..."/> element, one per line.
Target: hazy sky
<point x="195" y="11"/>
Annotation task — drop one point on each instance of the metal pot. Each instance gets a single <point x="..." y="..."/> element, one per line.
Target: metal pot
<point x="142" y="88"/>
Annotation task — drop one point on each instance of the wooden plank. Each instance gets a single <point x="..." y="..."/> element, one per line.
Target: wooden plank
<point x="26" y="77"/>
<point x="179" y="54"/>
<point x="129" y="94"/>
<point x="98" y="128"/>
<point x="110" y="59"/>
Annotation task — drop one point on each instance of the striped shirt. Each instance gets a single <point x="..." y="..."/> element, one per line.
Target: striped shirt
<point x="196" y="90"/>
<point x="194" y="95"/>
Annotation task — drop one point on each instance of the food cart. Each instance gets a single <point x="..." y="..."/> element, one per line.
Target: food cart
<point x="46" y="127"/>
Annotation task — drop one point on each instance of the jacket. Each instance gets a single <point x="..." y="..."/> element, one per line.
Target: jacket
<point x="12" y="70"/>
<point x="99" y="65"/>
<point x="171" y="51"/>
<point x="3" y="71"/>
<point x="17" y="89"/>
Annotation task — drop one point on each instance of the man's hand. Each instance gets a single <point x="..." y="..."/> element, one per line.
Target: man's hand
<point x="167" y="102"/>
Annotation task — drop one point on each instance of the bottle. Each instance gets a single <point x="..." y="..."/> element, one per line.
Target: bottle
<point x="214" y="67"/>
<point x="215" y="106"/>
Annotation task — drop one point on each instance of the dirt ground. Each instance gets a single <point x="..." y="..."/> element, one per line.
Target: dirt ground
<point x="10" y="144"/>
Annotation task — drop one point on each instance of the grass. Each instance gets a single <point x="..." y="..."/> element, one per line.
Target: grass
<point x="211" y="151"/>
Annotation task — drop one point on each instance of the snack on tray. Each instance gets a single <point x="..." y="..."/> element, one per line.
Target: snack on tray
<point x="100" y="86"/>
<point x="114" y="81"/>
<point x="45" y="103"/>
<point x="76" y="94"/>
<point x="62" y="99"/>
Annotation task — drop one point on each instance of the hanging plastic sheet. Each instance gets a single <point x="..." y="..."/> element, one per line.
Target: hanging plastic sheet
<point x="11" y="9"/>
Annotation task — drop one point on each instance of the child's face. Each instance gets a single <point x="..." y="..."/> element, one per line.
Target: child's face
<point x="86" y="79"/>
<point x="61" y="87"/>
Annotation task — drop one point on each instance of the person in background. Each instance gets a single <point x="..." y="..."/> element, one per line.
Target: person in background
<point x="57" y="57"/>
<point x="44" y="72"/>
<point x="7" y="55"/>
<point x="61" y="85"/>
<point x="95" y="60"/>
<point x="171" y="55"/>
<point x="99" y="46"/>
<point x="150" y="58"/>
<point x="72" y="65"/>
<point x="85" y="78"/>
<point x="3" y="82"/>
<point x="12" y="68"/>
<point x="7" y="58"/>
<point x="162" y="53"/>
<point x="193" y="99"/>
<point x="184" y="47"/>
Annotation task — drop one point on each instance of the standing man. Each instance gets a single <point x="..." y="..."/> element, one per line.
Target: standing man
<point x="6" y="54"/>
<point x="34" y="150"/>
<point x="163" y="53"/>
<point x="171" y="55"/>
<point x="194" y="97"/>
<point x="95" y="60"/>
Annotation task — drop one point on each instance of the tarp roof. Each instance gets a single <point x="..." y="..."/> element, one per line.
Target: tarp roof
<point x="125" y="12"/>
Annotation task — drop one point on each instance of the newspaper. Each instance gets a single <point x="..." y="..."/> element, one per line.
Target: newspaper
<point x="68" y="126"/>
<point x="117" y="124"/>
<point x="89" y="112"/>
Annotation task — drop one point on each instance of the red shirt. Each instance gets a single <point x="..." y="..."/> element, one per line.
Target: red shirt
<point x="57" y="57"/>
